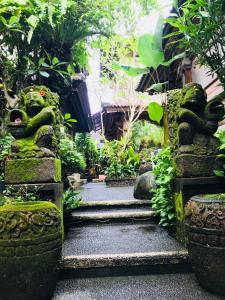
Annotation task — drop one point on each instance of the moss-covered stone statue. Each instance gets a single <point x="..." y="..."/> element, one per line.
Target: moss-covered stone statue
<point x="192" y="123"/>
<point x="35" y="127"/>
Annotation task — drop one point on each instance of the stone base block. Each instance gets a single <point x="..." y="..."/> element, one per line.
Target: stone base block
<point x="189" y="165"/>
<point x="33" y="170"/>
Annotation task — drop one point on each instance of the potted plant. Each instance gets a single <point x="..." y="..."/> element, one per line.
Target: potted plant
<point x="31" y="244"/>
<point x="71" y="200"/>
<point x="205" y="228"/>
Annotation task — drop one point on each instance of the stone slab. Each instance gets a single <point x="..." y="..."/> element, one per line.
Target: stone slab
<point x="125" y="259"/>
<point x="157" y="286"/>
<point x="118" y="239"/>
<point x="33" y="170"/>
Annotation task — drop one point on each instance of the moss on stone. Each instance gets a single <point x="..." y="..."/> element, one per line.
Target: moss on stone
<point x="31" y="206"/>
<point x="33" y="170"/>
<point x="213" y="196"/>
<point x="179" y="206"/>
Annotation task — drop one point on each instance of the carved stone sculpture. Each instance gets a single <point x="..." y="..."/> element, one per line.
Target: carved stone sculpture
<point x="30" y="250"/>
<point x="192" y="123"/>
<point x="35" y="127"/>
<point x="34" y="124"/>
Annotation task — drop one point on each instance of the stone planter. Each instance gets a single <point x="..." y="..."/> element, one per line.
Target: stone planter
<point x="30" y="249"/>
<point x="118" y="182"/>
<point x="205" y="228"/>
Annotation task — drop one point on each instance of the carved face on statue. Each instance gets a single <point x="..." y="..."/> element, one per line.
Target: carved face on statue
<point x="194" y="97"/>
<point x="34" y="102"/>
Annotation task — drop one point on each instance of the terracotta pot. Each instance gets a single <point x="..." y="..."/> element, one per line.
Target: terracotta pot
<point x="30" y="249"/>
<point x="205" y="228"/>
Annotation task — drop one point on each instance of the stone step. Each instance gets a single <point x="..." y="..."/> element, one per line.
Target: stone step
<point x="111" y="204"/>
<point x="180" y="286"/>
<point x="125" y="263"/>
<point x="118" y="248"/>
<point x="113" y="215"/>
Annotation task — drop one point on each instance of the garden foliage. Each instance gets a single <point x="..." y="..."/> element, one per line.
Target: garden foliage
<point x="72" y="160"/>
<point x="119" y="162"/>
<point x="71" y="200"/>
<point x="162" y="200"/>
<point x="5" y="148"/>
<point x="86" y="145"/>
<point x="201" y="32"/>
<point x="45" y="42"/>
<point x="221" y="155"/>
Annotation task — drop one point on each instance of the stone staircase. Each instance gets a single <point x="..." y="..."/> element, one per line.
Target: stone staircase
<point x="111" y="238"/>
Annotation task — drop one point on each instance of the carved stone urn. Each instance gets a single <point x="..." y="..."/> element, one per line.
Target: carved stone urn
<point x="205" y="228"/>
<point x="30" y="249"/>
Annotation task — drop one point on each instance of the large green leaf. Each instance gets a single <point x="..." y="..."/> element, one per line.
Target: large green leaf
<point x="130" y="70"/>
<point x="158" y="87"/>
<point x="175" y="57"/>
<point x="149" y="50"/>
<point x="155" y="112"/>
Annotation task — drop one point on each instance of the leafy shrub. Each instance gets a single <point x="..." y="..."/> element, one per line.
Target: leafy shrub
<point x="11" y="195"/>
<point x="146" y="135"/>
<point x="72" y="160"/>
<point x="162" y="201"/>
<point x="221" y="156"/>
<point x="119" y="162"/>
<point x="5" y="147"/>
<point x="86" y="145"/>
<point x="71" y="200"/>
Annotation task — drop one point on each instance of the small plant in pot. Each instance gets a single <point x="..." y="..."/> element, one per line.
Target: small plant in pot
<point x="31" y="244"/>
<point x="71" y="201"/>
<point x="205" y="229"/>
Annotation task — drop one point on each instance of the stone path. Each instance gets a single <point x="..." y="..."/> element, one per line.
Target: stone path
<point x="114" y="234"/>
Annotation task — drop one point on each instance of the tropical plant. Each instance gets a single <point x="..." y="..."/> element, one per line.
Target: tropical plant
<point x="119" y="162"/>
<point x="221" y="156"/>
<point x="72" y="160"/>
<point x="201" y="24"/>
<point x="86" y="145"/>
<point x="5" y="147"/>
<point x="11" y="195"/>
<point x="71" y="200"/>
<point x="162" y="200"/>
<point x="146" y="135"/>
<point x="46" y="41"/>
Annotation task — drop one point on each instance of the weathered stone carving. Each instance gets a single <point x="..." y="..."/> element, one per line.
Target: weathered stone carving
<point x="192" y="123"/>
<point x="30" y="250"/>
<point x="34" y="125"/>
<point x="205" y="228"/>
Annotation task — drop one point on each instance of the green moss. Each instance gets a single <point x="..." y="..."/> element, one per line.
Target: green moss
<point x="213" y="196"/>
<point x="175" y="98"/>
<point x="58" y="170"/>
<point x="33" y="170"/>
<point x="178" y="200"/>
<point x="31" y="206"/>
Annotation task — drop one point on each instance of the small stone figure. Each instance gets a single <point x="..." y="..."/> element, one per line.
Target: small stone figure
<point x="34" y="124"/>
<point x="192" y="123"/>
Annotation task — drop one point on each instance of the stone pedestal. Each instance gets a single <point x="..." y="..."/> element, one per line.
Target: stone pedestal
<point x="33" y="170"/>
<point x="185" y="188"/>
<point x="190" y="165"/>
